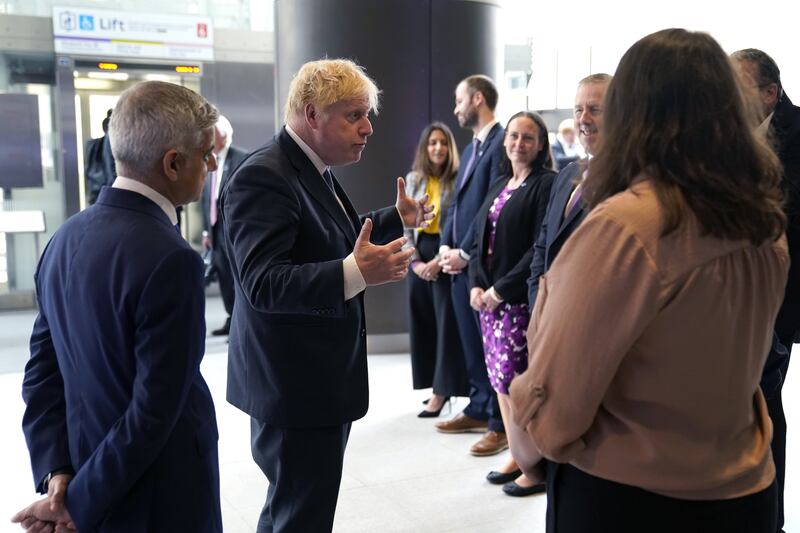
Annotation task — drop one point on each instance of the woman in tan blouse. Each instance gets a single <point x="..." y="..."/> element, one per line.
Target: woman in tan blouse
<point x="651" y="329"/>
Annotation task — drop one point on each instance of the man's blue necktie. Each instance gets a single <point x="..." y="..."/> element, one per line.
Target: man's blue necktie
<point x="328" y="180"/>
<point x="476" y="145"/>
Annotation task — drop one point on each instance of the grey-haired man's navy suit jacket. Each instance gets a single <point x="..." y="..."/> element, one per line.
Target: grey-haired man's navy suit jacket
<point x="113" y="386"/>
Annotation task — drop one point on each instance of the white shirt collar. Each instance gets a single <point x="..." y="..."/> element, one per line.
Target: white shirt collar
<point x="149" y="193"/>
<point x="319" y="164"/>
<point x="481" y="136"/>
<point x="763" y="128"/>
<point x="220" y="157"/>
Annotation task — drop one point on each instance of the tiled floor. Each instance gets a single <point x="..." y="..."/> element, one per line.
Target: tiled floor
<point x="400" y="474"/>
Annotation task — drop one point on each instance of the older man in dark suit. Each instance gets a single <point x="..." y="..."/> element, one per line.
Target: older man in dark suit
<point x="119" y="422"/>
<point x="301" y="259"/>
<point x="565" y="211"/>
<point x="780" y="122"/>
<point x="228" y="158"/>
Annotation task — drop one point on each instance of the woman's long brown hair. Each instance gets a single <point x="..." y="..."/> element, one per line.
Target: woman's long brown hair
<point x="675" y="113"/>
<point x="422" y="163"/>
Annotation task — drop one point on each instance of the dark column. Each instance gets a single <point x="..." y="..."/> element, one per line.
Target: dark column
<point x="416" y="51"/>
<point x="245" y="94"/>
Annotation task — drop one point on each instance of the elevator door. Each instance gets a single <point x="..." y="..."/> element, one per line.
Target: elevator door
<point x="96" y="93"/>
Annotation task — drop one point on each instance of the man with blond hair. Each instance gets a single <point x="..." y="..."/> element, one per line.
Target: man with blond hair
<point x="301" y="258"/>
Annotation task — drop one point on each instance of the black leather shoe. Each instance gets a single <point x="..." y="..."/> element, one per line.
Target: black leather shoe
<point x="224" y="330"/>
<point x="512" y="489"/>
<point x="499" y="478"/>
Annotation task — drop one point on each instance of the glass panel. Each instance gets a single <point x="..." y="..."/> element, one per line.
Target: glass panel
<point x="19" y="252"/>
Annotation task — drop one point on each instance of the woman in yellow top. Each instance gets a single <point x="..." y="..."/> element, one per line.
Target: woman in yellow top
<point x="436" y="357"/>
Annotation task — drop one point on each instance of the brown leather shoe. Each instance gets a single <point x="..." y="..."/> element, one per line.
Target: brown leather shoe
<point x="462" y="423"/>
<point x="491" y="443"/>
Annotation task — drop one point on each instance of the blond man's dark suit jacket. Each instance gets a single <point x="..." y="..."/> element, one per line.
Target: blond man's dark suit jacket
<point x="297" y="354"/>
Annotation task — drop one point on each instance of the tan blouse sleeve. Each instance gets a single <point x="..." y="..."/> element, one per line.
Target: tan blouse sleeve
<point x="593" y="304"/>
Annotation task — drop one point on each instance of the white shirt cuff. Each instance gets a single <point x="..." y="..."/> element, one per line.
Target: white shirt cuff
<point x="463" y="255"/>
<point x="491" y="293"/>
<point x="443" y="248"/>
<point x="353" y="280"/>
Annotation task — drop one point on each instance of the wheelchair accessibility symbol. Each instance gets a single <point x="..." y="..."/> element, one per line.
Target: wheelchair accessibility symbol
<point x="86" y="22"/>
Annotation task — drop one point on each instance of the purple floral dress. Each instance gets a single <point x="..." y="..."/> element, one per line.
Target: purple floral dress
<point x="505" y="347"/>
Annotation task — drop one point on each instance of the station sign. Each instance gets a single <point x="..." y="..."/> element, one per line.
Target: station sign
<point x="107" y="33"/>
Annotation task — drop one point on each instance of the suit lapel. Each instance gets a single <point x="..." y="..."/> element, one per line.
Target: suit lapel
<point x="312" y="182"/>
<point x="461" y="180"/>
<point x="350" y="210"/>
<point x="562" y="198"/>
<point x="572" y="215"/>
<point x="481" y="150"/>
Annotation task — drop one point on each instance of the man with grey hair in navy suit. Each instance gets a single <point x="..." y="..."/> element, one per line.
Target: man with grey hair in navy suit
<point x="118" y="417"/>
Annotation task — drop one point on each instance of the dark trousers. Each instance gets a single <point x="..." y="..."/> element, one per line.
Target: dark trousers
<point x="304" y="470"/>
<point x="581" y="503"/>
<point x="482" y="398"/>
<point x="772" y="385"/>
<point x="778" y="446"/>
<point x="223" y="268"/>
<point x="437" y="359"/>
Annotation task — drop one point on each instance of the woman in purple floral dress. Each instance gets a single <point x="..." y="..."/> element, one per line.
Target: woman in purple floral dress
<point x="507" y="226"/>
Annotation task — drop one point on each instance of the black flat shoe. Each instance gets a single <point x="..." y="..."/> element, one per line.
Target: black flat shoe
<point x="433" y="414"/>
<point x="499" y="478"/>
<point x="512" y="489"/>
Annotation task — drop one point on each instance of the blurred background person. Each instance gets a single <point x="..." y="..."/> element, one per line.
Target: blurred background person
<point x="228" y="158"/>
<point x="99" y="169"/>
<point x="566" y="148"/>
<point x="437" y="359"/>
<point x="779" y="120"/>
<point x="506" y="227"/>
<point x="651" y="403"/>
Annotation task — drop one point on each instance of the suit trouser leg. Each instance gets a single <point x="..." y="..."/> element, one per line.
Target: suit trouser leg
<point x="483" y="403"/>
<point x="778" y="444"/>
<point x="304" y="469"/>
<point x="450" y="375"/>
<point x="422" y="319"/>
<point x="223" y="268"/>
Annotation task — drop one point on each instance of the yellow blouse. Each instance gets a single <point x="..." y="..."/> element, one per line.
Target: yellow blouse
<point x="434" y="191"/>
